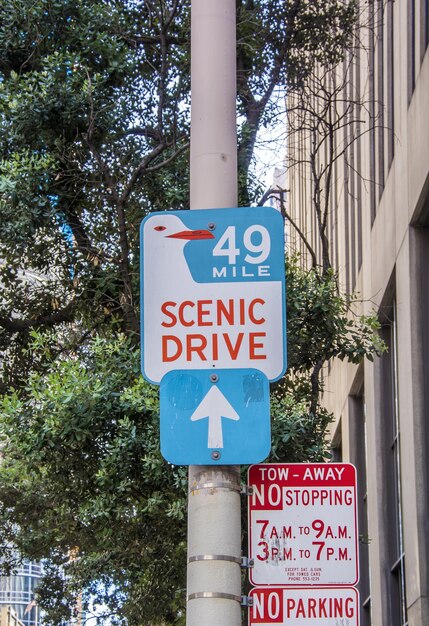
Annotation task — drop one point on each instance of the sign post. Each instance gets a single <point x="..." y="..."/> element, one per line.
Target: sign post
<point x="213" y="324"/>
<point x="214" y="521"/>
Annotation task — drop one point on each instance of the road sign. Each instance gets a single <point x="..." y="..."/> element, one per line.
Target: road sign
<point x="212" y="418"/>
<point x="322" y="606"/>
<point x="303" y="524"/>
<point x="213" y="292"/>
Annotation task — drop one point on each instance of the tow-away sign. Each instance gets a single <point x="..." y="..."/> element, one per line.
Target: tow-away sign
<point x="322" y="606"/>
<point x="213" y="291"/>
<point x="303" y="524"/>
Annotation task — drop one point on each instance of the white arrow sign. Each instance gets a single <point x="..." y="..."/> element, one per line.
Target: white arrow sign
<point x="214" y="406"/>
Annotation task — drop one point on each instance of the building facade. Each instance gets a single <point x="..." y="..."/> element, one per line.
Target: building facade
<point x="17" y="591"/>
<point x="359" y="155"/>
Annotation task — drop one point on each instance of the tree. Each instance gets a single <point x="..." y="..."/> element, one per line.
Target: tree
<point x="327" y="116"/>
<point x="94" y="113"/>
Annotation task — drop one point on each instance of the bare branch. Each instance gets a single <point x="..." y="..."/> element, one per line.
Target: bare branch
<point x="144" y="131"/>
<point x="274" y="193"/>
<point x="140" y="169"/>
<point x="158" y="166"/>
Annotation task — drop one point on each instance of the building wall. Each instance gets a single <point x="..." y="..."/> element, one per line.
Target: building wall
<point x="379" y="243"/>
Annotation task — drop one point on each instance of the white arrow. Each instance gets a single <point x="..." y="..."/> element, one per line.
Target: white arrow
<point x="214" y="406"/>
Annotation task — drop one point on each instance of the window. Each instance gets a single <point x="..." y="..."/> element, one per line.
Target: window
<point x="357" y="430"/>
<point x="411" y="47"/>
<point x="372" y="121"/>
<point x="390" y="85"/>
<point x="395" y="577"/>
<point x="381" y="121"/>
<point x="337" y="445"/>
<point x="424" y="27"/>
<point x="420" y="350"/>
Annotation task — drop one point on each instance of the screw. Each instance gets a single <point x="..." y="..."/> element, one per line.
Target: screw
<point x="211" y="226"/>
<point x="215" y="455"/>
<point x="214" y="378"/>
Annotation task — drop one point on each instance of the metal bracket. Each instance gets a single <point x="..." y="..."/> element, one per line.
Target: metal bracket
<point x="214" y="594"/>
<point x="246" y="601"/>
<point x="246" y="490"/>
<point x="246" y="562"/>
<point x="215" y="485"/>
<point x="215" y="557"/>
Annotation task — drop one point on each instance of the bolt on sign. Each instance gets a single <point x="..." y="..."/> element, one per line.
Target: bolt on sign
<point x="324" y="606"/>
<point x="303" y="524"/>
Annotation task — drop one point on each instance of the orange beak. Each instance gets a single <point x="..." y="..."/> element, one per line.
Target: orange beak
<point x="192" y="235"/>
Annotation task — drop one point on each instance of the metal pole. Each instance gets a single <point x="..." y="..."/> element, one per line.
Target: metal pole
<point x="214" y="522"/>
<point x="213" y="113"/>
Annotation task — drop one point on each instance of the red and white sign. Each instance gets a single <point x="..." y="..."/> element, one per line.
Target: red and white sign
<point x="324" y="606"/>
<point x="303" y="524"/>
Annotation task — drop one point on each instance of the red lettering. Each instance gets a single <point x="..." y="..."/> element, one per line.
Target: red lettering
<point x="264" y="550"/>
<point x="233" y="350"/>
<point x="242" y="312"/>
<point x="312" y="607"/>
<point x="252" y="317"/>
<point x="290" y="605"/>
<point x="338" y="607"/>
<point x="215" y="347"/>
<point x="186" y="303"/>
<point x="264" y="523"/>
<point x="253" y="346"/>
<point x="203" y="312"/>
<point x="213" y="313"/>
<point x="319" y="608"/>
<point x="350" y="607"/>
<point x="300" y="611"/>
<point x="222" y="310"/>
<point x="165" y="310"/>
<point x="175" y="355"/>
<point x="198" y="348"/>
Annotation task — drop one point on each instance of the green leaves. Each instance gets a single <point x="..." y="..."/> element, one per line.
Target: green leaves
<point x="81" y="447"/>
<point x="94" y="114"/>
<point x="321" y="322"/>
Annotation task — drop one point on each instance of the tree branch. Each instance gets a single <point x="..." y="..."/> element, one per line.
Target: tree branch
<point x="272" y="193"/>
<point x="167" y="161"/>
<point x="140" y="169"/>
<point x="13" y="325"/>
<point x="253" y="108"/>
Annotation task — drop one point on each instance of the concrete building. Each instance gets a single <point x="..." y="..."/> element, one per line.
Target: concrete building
<point x="362" y="132"/>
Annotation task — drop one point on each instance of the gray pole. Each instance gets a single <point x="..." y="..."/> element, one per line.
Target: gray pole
<point x="214" y="523"/>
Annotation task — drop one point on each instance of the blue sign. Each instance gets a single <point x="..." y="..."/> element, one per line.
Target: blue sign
<point x="215" y="418"/>
<point x="213" y="291"/>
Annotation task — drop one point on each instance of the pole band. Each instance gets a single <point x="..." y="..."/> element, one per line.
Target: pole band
<point x="214" y="594"/>
<point x="215" y="557"/>
<point x="215" y="485"/>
